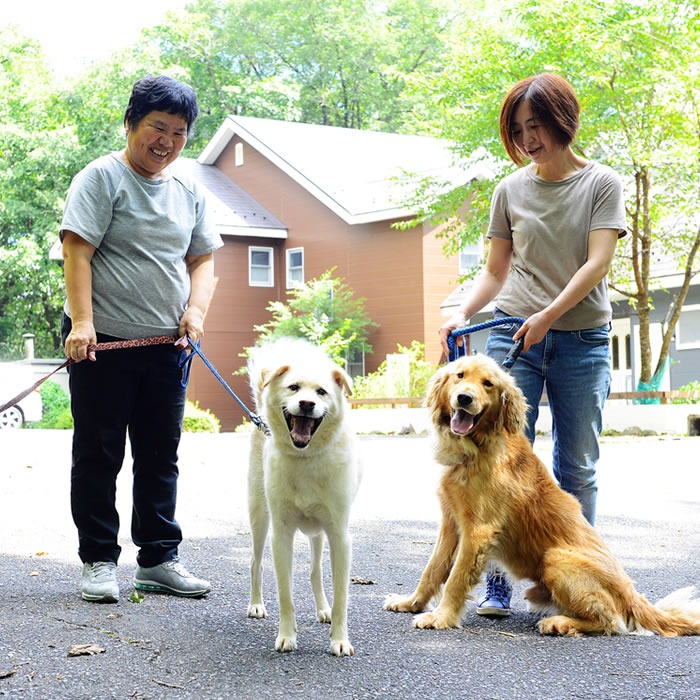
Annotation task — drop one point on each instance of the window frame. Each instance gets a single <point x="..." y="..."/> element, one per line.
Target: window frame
<point x="470" y="249"/>
<point x="293" y="284"/>
<point x="271" y="267"/>
<point x="691" y="344"/>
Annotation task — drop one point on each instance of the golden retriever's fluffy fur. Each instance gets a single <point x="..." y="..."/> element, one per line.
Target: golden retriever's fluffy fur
<point x="499" y="502"/>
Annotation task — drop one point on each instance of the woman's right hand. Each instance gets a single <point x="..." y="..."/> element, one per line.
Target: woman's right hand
<point x="81" y="336"/>
<point x="459" y="320"/>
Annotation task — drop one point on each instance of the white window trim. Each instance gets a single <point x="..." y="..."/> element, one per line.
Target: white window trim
<point x="473" y="248"/>
<point x="692" y="344"/>
<point x="291" y="284"/>
<point x="256" y="248"/>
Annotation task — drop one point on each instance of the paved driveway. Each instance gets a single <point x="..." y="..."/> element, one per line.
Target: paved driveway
<point x="649" y="512"/>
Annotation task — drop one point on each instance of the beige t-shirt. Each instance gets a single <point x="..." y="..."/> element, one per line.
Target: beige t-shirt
<point x="548" y="224"/>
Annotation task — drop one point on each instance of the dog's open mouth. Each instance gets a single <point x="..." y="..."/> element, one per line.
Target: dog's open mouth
<point x="302" y="428"/>
<point x="462" y="423"/>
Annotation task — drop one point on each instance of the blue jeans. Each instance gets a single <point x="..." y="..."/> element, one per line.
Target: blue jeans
<point x="575" y="369"/>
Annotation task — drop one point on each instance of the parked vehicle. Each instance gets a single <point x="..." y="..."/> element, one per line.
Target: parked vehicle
<point x="14" y="378"/>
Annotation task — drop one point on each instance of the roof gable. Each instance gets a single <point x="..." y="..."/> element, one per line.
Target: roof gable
<point x="234" y="211"/>
<point x="353" y="172"/>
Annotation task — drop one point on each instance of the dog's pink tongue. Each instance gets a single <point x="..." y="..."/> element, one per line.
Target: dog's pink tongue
<point x="301" y="429"/>
<point x="461" y="422"/>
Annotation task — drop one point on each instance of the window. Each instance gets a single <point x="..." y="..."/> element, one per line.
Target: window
<point x="470" y="256"/>
<point x="295" y="267"/>
<point x="355" y="363"/>
<point x="238" y="155"/>
<point x="260" y="267"/>
<point x="615" y="352"/>
<point x="688" y="328"/>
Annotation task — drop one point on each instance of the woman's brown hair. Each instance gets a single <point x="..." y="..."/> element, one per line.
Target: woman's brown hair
<point x="553" y="103"/>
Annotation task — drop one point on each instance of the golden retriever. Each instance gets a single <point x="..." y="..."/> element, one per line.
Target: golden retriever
<point x="499" y="502"/>
<point x="303" y="476"/>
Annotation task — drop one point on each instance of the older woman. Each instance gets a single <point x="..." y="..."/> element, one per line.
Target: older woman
<point x="554" y="226"/>
<point x="137" y="249"/>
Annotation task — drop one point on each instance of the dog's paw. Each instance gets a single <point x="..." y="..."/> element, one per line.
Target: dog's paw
<point x="559" y="625"/>
<point x="286" y="643"/>
<point x="341" y="647"/>
<point x="324" y="615"/>
<point x="397" y="603"/>
<point x="257" y="610"/>
<point x="435" y="620"/>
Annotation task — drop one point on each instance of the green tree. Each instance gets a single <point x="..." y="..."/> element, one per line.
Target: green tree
<point x="638" y="81"/>
<point x="38" y="156"/>
<point x="323" y="311"/>
<point x="342" y="63"/>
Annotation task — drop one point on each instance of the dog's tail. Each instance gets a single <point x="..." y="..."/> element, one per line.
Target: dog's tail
<point x="678" y="614"/>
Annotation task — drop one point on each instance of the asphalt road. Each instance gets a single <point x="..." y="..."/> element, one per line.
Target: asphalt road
<point x="164" y="647"/>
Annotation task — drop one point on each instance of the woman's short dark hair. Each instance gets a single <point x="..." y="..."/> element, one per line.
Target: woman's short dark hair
<point x="162" y="94"/>
<point x="553" y="103"/>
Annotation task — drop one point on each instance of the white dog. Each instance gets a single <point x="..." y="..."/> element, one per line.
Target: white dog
<point x="303" y="476"/>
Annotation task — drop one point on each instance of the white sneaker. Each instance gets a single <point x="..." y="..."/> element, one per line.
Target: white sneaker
<point x="170" y="577"/>
<point x="99" y="582"/>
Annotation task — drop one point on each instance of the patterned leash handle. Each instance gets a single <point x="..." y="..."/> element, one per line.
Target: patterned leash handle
<point x="512" y="355"/>
<point x="113" y="345"/>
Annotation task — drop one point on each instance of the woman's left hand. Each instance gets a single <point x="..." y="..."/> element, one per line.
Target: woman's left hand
<point x="192" y="324"/>
<point x="533" y="330"/>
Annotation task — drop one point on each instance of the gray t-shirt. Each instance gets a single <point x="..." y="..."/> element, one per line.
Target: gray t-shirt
<point x="548" y="224"/>
<point x="142" y="229"/>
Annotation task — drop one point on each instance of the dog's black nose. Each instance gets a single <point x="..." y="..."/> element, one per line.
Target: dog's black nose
<point x="306" y="406"/>
<point x="464" y="399"/>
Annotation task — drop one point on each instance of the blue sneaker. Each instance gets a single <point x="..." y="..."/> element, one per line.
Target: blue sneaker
<point x="497" y="598"/>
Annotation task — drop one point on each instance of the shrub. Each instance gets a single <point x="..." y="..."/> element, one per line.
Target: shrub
<point x="55" y="408"/>
<point x="199" y="420"/>
<point x="692" y="386"/>
<point x="405" y="375"/>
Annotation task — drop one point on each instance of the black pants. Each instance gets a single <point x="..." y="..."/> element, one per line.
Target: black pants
<point x="136" y="390"/>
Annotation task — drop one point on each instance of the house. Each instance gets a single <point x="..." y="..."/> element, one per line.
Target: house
<point x="684" y="355"/>
<point x="293" y="200"/>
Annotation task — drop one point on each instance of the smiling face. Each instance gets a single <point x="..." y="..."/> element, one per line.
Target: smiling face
<point x="474" y="396"/>
<point x="531" y="137"/>
<point x="302" y="398"/>
<point x="154" y="143"/>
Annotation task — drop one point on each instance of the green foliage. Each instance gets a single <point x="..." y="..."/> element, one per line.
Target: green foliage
<point x="692" y="386"/>
<point x="342" y="63"/>
<point x="638" y="85"/>
<point x="324" y="312"/>
<point x="199" y="420"/>
<point x="404" y="374"/>
<point x="55" y="408"/>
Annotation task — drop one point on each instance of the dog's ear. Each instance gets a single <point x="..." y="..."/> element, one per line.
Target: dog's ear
<point x="513" y="409"/>
<point x="342" y="379"/>
<point x="267" y="375"/>
<point x="432" y="396"/>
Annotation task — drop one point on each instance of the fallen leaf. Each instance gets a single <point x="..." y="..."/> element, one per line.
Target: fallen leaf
<point x="33" y="573"/>
<point x="114" y="616"/>
<point x="363" y="581"/>
<point x="136" y="596"/>
<point x="7" y="674"/>
<point x="41" y="554"/>
<point x="85" y="650"/>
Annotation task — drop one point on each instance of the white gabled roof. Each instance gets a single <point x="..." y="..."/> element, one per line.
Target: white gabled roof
<point x="349" y="170"/>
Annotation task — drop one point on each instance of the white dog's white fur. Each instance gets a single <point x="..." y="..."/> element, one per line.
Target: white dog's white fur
<point x="304" y="476"/>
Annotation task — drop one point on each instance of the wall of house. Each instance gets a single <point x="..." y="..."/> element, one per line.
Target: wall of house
<point x="685" y="363"/>
<point x="401" y="274"/>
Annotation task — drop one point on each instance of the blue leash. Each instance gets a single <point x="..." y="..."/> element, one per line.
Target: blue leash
<point x="511" y="357"/>
<point x="185" y="363"/>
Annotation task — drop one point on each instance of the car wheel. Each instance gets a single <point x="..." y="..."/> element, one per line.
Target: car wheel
<point x="11" y="419"/>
